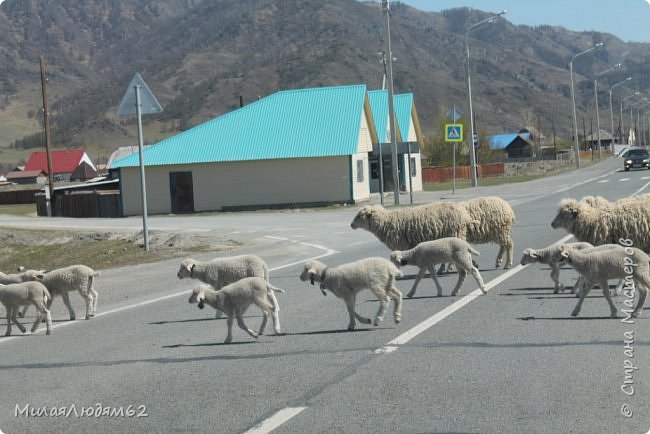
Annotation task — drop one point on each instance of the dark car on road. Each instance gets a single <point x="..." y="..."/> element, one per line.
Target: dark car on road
<point x="636" y="158"/>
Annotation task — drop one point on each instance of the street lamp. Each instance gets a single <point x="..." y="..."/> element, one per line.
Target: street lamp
<point x="611" y="110"/>
<point x="622" y="101"/>
<point x="618" y="65"/>
<point x="573" y="100"/>
<point x="633" y="124"/>
<point x="472" y="150"/>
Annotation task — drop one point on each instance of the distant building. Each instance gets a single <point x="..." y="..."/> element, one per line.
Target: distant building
<point x="64" y="162"/>
<point x="27" y="177"/>
<point x="513" y="145"/>
<point x="300" y="147"/>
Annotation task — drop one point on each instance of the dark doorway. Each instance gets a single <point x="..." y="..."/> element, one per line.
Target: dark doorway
<point x="182" y="192"/>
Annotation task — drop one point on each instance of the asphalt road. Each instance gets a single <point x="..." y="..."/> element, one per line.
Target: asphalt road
<point x="511" y="361"/>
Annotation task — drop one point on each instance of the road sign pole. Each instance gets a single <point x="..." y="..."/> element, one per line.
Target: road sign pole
<point x="138" y="111"/>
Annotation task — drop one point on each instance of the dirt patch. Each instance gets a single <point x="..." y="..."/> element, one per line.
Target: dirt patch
<point x="57" y="248"/>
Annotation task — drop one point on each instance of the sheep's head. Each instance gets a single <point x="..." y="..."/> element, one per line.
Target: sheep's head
<point x="35" y="275"/>
<point x="595" y="201"/>
<point x="198" y="296"/>
<point x="565" y="252"/>
<point x="312" y="271"/>
<point x="364" y="217"/>
<point x="528" y="257"/>
<point x="567" y="214"/>
<point x="397" y="258"/>
<point x="186" y="268"/>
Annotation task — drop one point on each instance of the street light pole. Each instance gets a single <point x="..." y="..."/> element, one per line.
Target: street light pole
<point x="573" y="100"/>
<point x="391" y="106"/>
<point x="622" y="101"/>
<point x="472" y="149"/>
<point x="618" y="65"/>
<point x="611" y="110"/>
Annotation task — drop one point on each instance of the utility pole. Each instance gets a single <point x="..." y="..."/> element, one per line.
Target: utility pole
<point x="391" y="107"/>
<point x="46" y="123"/>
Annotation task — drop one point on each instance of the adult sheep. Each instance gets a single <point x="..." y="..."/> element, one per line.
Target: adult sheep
<point x="495" y="219"/>
<point x="606" y="224"/>
<point x="405" y="228"/>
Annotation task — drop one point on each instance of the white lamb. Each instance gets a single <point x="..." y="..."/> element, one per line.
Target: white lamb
<point x="606" y="224"/>
<point x="220" y="272"/>
<point x="627" y="263"/>
<point x="234" y="299"/>
<point x="347" y="280"/>
<point x="495" y="218"/>
<point x="550" y="256"/>
<point x="6" y="279"/>
<point x="14" y="295"/>
<point x="61" y="281"/>
<point x="445" y="250"/>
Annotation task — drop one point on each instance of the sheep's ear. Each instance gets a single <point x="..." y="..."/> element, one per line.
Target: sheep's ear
<point x="188" y="267"/>
<point x="532" y="254"/>
<point x="564" y="254"/>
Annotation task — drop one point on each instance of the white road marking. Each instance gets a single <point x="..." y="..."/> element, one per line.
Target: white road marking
<point x="602" y="181"/>
<point x="586" y="181"/>
<point x="276" y="420"/>
<point x="641" y="189"/>
<point x="624" y="179"/>
<point x="645" y="177"/>
<point x="328" y="252"/>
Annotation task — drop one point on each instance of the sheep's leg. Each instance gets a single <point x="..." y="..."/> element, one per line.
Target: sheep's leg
<point x="555" y="276"/>
<point x="274" y="302"/>
<point x="66" y="300"/>
<point x="605" y="287"/>
<point x="502" y="250"/>
<point x="48" y="321"/>
<point x="383" y="304"/>
<point x="477" y="276"/>
<point x="435" y="279"/>
<point x="14" y="311"/>
<point x="22" y="314"/>
<point x="417" y="281"/>
<point x="219" y="314"/>
<point x="265" y="318"/>
<point x="349" y="303"/>
<point x="461" y="278"/>
<point x="243" y="326"/>
<point x="42" y="313"/>
<point x="583" y="294"/>
<point x="642" y="285"/>
<point x="8" y="332"/>
<point x="95" y="297"/>
<point x="89" y="305"/>
<point x="511" y="253"/>
<point x="619" y="287"/>
<point x="276" y="320"/>
<point x="396" y="295"/>
<point x="229" y="322"/>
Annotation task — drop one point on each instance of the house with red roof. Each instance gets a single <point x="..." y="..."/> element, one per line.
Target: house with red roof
<point x="64" y="162"/>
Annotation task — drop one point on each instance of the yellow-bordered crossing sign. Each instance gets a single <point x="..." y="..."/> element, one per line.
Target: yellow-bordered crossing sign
<point x="454" y="132"/>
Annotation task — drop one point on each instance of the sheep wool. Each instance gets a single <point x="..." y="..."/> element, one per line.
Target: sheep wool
<point x="623" y="219"/>
<point x="495" y="218"/>
<point x="405" y="228"/>
<point x="14" y="295"/>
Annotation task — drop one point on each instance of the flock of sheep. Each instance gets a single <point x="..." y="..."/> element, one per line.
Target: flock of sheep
<point x="612" y="241"/>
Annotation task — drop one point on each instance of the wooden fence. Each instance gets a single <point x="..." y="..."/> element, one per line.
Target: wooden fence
<point x="443" y="174"/>
<point x="95" y="203"/>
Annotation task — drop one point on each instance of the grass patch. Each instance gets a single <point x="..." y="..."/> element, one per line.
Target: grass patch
<point x="25" y="209"/>
<point x="47" y="249"/>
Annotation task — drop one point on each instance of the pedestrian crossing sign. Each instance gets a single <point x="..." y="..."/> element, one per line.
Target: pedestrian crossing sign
<point x="454" y="132"/>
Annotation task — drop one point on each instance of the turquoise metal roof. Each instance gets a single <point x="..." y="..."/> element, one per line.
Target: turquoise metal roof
<point x="299" y="123"/>
<point x="403" y="104"/>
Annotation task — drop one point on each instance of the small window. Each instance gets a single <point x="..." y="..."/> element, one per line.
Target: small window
<point x="414" y="170"/>
<point x="359" y="170"/>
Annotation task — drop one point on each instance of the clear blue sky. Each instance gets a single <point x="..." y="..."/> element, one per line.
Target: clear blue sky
<point x="627" y="19"/>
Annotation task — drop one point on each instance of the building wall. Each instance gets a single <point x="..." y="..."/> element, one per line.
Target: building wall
<point x="251" y="184"/>
<point x="416" y="171"/>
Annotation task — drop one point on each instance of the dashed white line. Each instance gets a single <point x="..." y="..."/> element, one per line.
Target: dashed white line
<point x="602" y="181"/>
<point x="276" y="420"/>
<point x="623" y="179"/>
